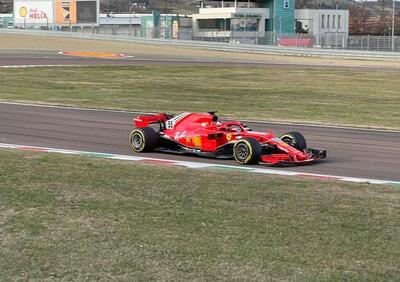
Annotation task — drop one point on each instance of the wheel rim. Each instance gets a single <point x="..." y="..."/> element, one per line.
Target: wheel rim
<point x="242" y="152"/>
<point x="290" y="141"/>
<point x="137" y="141"/>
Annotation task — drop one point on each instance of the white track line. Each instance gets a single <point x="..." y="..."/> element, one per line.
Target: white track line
<point x="34" y="66"/>
<point x="244" y="120"/>
<point x="196" y="165"/>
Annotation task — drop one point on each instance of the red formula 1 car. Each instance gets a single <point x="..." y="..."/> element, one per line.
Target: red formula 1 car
<point x="206" y="135"/>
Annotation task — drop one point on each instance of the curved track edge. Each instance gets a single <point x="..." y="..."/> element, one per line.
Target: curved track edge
<point x="196" y="165"/>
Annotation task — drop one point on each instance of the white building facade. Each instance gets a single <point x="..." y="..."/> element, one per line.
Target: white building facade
<point x="229" y="20"/>
<point x="323" y="22"/>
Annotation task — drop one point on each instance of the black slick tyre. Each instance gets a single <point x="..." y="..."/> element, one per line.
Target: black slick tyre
<point x="143" y="139"/>
<point x="247" y="151"/>
<point x="295" y="139"/>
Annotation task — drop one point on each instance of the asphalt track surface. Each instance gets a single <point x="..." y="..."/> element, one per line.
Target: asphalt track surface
<point x="351" y="152"/>
<point x="53" y="58"/>
<point x="38" y="58"/>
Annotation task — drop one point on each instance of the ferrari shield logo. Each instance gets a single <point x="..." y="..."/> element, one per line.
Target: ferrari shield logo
<point x="229" y="137"/>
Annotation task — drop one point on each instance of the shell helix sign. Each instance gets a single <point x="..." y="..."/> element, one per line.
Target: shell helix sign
<point x="23" y="12"/>
<point x="56" y="12"/>
<point x="33" y="12"/>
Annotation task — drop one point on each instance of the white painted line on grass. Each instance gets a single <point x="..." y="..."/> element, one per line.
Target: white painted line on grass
<point x="196" y="165"/>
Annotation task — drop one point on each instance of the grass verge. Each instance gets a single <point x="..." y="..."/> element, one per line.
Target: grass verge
<point x="356" y="98"/>
<point x="76" y="218"/>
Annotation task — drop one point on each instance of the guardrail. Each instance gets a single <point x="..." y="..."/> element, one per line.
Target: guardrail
<point x="220" y="46"/>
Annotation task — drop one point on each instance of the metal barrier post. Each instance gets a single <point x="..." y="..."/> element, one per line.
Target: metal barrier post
<point x="377" y="43"/>
<point x="362" y="42"/>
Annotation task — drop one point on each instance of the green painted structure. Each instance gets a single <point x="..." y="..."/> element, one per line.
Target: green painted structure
<point x="6" y="20"/>
<point x="282" y="14"/>
<point x="157" y="25"/>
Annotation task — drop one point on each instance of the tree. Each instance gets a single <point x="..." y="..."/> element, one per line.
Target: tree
<point x="358" y="18"/>
<point x="384" y="21"/>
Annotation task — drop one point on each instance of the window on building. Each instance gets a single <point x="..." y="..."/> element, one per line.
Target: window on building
<point x="214" y="24"/>
<point x="286" y="4"/>
<point x="328" y="18"/>
<point x="323" y="21"/>
<point x="333" y="21"/>
<point x="338" y="23"/>
<point x="245" y="24"/>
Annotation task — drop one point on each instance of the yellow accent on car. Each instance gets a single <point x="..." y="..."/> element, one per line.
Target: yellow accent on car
<point x="250" y="151"/>
<point x="197" y="141"/>
<point x="143" y="140"/>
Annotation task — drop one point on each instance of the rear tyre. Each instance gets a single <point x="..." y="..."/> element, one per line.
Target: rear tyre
<point x="295" y="139"/>
<point x="143" y="139"/>
<point x="247" y="151"/>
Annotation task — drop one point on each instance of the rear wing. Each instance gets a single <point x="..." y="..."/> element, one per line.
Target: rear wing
<point x="146" y="120"/>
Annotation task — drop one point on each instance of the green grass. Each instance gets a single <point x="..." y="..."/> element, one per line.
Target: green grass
<point x="357" y="98"/>
<point x="76" y="218"/>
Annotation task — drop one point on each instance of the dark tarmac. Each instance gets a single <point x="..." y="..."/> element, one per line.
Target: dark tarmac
<point x="351" y="152"/>
<point x="53" y="58"/>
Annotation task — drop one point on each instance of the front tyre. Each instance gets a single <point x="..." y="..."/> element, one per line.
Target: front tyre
<point x="295" y="139"/>
<point x="247" y="151"/>
<point x="143" y="139"/>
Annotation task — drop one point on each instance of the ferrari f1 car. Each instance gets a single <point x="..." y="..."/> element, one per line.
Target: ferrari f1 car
<point x="205" y="135"/>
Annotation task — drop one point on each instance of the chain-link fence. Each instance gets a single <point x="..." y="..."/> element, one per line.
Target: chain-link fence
<point x="326" y="41"/>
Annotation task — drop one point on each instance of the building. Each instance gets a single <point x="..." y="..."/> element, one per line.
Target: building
<point x="328" y="27"/>
<point x="244" y="19"/>
<point x="6" y="20"/>
<point x="323" y="22"/>
<point x="56" y="14"/>
<point x="237" y="21"/>
<point x="122" y="24"/>
<point x="166" y="26"/>
<point x="252" y="21"/>
<point x="155" y="25"/>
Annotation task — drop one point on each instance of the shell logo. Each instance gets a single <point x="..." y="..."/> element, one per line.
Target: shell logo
<point x="23" y="12"/>
<point x="197" y="141"/>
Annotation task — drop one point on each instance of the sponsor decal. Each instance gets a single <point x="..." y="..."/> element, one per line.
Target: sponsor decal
<point x="175" y="30"/>
<point x="180" y="135"/>
<point x="188" y="139"/>
<point x="65" y="11"/>
<point x="229" y="137"/>
<point x="23" y="12"/>
<point x="197" y="141"/>
<point x="35" y="14"/>
<point x="102" y="55"/>
<point x="173" y="121"/>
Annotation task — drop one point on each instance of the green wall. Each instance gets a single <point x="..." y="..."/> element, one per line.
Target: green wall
<point x="281" y="19"/>
<point x="6" y="21"/>
<point x="157" y="25"/>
